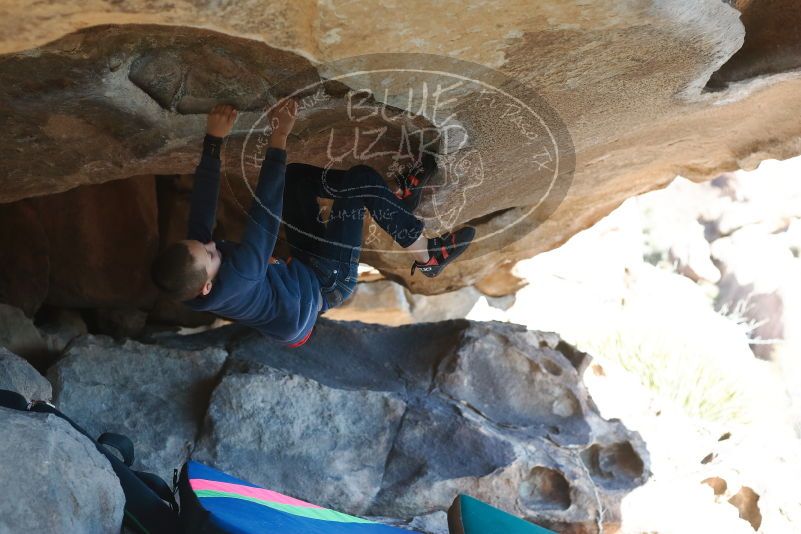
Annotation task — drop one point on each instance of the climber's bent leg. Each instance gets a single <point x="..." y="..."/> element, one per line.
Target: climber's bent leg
<point x="390" y="213"/>
<point x="305" y="231"/>
<point x="338" y="268"/>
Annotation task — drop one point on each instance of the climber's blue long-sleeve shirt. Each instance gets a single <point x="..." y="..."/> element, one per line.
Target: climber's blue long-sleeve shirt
<point x="280" y="300"/>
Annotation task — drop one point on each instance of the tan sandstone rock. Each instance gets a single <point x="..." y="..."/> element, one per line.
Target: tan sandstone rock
<point x="627" y="80"/>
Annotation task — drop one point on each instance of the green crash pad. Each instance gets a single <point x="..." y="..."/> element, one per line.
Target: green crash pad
<point x="471" y="516"/>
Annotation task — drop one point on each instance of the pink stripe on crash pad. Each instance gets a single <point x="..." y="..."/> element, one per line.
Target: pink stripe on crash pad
<point x="248" y="491"/>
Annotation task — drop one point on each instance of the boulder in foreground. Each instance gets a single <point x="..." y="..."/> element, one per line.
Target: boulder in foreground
<point x="54" y="479"/>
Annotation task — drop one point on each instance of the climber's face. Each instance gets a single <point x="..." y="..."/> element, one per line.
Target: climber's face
<point x="207" y="256"/>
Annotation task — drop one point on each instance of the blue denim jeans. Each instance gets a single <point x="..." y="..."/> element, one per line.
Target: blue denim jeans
<point x="332" y="250"/>
<point x="337" y="280"/>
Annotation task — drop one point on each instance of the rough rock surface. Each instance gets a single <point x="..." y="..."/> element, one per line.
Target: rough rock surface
<point x="501" y="282"/>
<point x="19" y="335"/>
<point x="301" y="436"/>
<point x="452" y="305"/>
<point x="382" y="302"/>
<point x="55" y="479"/>
<point x="59" y="326"/>
<point x="154" y="395"/>
<point x="715" y="419"/>
<point x="24" y="254"/>
<point x="119" y="322"/>
<point x="389" y="303"/>
<point x="17" y="375"/>
<point x="628" y="82"/>
<point x="88" y="247"/>
<point x="393" y="427"/>
<point x="433" y="523"/>
<point x="771" y="41"/>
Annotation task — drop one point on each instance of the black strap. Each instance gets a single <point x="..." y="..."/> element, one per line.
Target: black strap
<point x="13" y="400"/>
<point x="121" y="443"/>
<point x="159" y="487"/>
<point x="146" y="511"/>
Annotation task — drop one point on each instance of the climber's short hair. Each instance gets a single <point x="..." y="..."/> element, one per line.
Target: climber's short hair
<point x="176" y="274"/>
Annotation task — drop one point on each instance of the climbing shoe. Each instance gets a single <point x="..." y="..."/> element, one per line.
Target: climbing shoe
<point x="412" y="183"/>
<point x="443" y="250"/>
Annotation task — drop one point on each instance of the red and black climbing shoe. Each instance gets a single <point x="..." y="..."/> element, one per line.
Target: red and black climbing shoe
<point x="411" y="185"/>
<point x="443" y="250"/>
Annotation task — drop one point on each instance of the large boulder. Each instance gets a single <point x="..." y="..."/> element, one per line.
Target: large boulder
<point x="495" y="374"/>
<point x="394" y="422"/>
<point x="451" y="305"/>
<point x="389" y="303"/>
<point x="19" y="335"/>
<point x="59" y="326"/>
<point x="382" y="302"/>
<point x="16" y="374"/>
<point x="154" y="395"/>
<point x="55" y="478"/>
<point x="301" y="436"/>
<point x="88" y="102"/>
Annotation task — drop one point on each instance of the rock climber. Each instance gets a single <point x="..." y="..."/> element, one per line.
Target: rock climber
<point x="282" y="298"/>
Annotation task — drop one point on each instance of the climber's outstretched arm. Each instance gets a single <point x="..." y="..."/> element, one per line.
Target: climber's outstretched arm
<point x="264" y="217"/>
<point x="206" y="188"/>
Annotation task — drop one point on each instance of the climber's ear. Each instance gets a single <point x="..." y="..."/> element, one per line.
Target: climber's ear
<point x="206" y="289"/>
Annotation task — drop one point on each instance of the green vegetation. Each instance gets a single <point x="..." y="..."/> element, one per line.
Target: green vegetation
<point x="676" y="373"/>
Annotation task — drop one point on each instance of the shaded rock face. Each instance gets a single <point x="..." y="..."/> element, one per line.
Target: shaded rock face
<point x="24" y="253"/>
<point x="19" y="335"/>
<point x="154" y="395"/>
<point x="60" y="326"/>
<point x="56" y="480"/>
<point x="394" y="428"/>
<point x="88" y="247"/>
<point x="772" y="41"/>
<point x="109" y="102"/>
<point x="102" y="239"/>
<point x="17" y="375"/>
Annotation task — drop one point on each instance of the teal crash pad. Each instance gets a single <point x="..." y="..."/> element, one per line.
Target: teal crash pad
<point x="471" y="516"/>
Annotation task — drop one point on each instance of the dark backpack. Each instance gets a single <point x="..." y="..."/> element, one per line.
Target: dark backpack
<point x="150" y="506"/>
